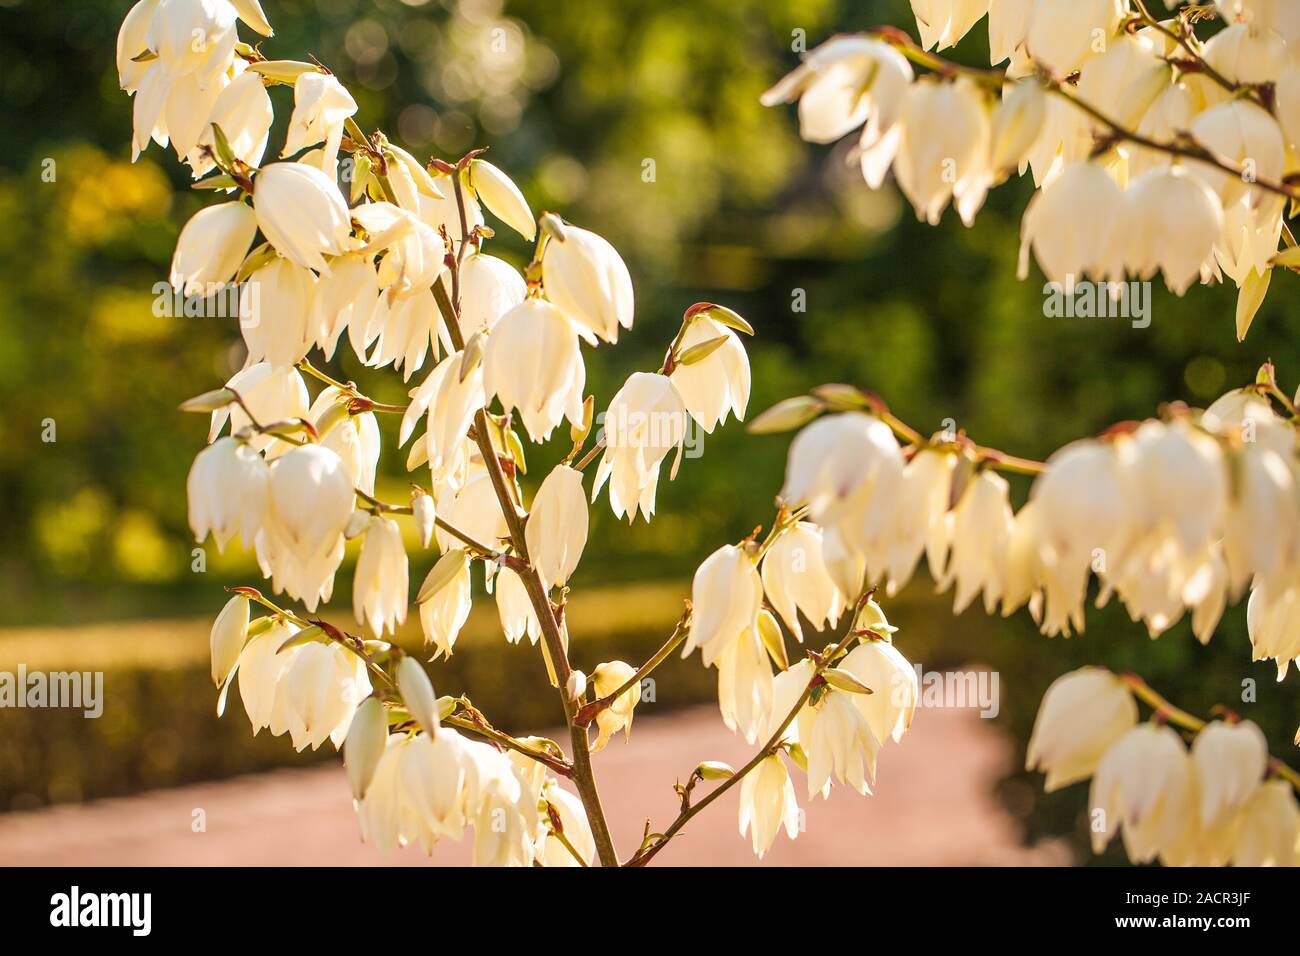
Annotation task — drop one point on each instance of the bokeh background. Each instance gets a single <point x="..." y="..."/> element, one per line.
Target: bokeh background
<point x="95" y="555"/>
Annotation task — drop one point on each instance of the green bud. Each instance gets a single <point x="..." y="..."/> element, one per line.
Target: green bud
<point x="786" y="415"/>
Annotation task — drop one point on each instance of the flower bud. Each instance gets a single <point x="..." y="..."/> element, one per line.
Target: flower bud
<point x="502" y="197"/>
<point x="229" y="632"/>
<point x="556" y="532"/>
<point x="417" y="693"/>
<point x="365" y="743"/>
<point x="587" y="280"/>
<point x="211" y="247"/>
<point x="301" y="212"/>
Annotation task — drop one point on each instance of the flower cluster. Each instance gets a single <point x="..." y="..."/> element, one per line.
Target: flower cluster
<point x="1153" y="152"/>
<point x="1177" y="514"/>
<point x="1205" y="805"/>
<point x="831" y="721"/>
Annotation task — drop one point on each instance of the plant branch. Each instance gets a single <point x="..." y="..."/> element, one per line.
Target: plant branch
<point x="588" y="712"/>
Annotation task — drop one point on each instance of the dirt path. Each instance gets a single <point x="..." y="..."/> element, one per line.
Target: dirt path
<point x="931" y="807"/>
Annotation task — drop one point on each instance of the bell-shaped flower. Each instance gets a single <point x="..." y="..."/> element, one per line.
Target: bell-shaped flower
<point x="354" y="438"/>
<point x="1064" y="33"/>
<point x="795" y="579"/>
<point x="365" y="745"/>
<point x="944" y="150"/>
<point x="346" y="298"/>
<point x="380" y="588"/>
<point x="1172" y="222"/>
<point x="502" y="197"/>
<point x="320" y="105"/>
<point x="228" y="489"/>
<point x="1246" y="135"/>
<point x="272" y="394"/>
<point x="1082" y="715"/>
<point x="475" y="510"/>
<point x="726" y="595"/>
<point x="533" y="362"/>
<point x="229" y="632"/>
<point x="1268" y="829"/>
<point x="1144" y="786"/>
<point x="574" y="826"/>
<point x="243" y="111"/>
<point x="1073" y="227"/>
<point x="605" y="679"/>
<point x="556" y="532"/>
<point x="261" y="665"/>
<point x="768" y="804"/>
<point x="745" y="685"/>
<point x="942" y="23"/>
<point x="840" y="462"/>
<point x="1229" y="760"/>
<point x="302" y="214"/>
<point x="211" y="247"/>
<point x="275" y="312"/>
<point x="445" y="602"/>
<point x="894" y="686"/>
<point x="489" y="288"/>
<point x="838" y="741"/>
<point x="718" y="383"/>
<point x="132" y="41"/>
<point x="588" y="281"/>
<point x="193" y="37"/>
<point x="515" y="608"/>
<point x="323" y="684"/>
<point x="981" y="533"/>
<point x="646" y="420"/>
<point x="842" y="84"/>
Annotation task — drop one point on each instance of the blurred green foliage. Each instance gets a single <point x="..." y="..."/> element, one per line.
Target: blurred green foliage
<point x="581" y="103"/>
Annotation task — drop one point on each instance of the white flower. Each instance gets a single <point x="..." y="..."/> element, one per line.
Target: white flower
<point x="1143" y="785"/>
<point x="726" y="594"/>
<point x="302" y="214"/>
<point x="556" y="532"/>
<point x="645" y="421"/>
<point x="1263" y="518"/>
<point x="841" y="462"/>
<point x="271" y="394"/>
<point x="260" y="667"/>
<point x="475" y="510"/>
<point x="1064" y="33"/>
<point x="842" y="84"/>
<point x="890" y="707"/>
<point x="944" y="150"/>
<point x="346" y="298"/>
<point x="133" y="40"/>
<point x="1230" y="760"/>
<point x="301" y="546"/>
<point x="211" y="247"/>
<point x="515" y="608"/>
<point x="424" y="511"/>
<point x="445" y="602"/>
<point x="1017" y="124"/>
<point x="943" y="23"/>
<point x="381" y="585"/>
<point x="229" y="488"/>
<point x="1178" y="483"/>
<point x="243" y="111"/>
<point x="417" y="694"/>
<point x="1288" y="104"/>
<point x="1124" y="80"/>
<point x="1268" y="831"/>
<point x="1082" y="715"/>
<point x="1008" y="27"/>
<point x="717" y="383"/>
<point x="1246" y="54"/>
<point x="921" y="518"/>
<point x="190" y="102"/>
<point x="838" y="740"/>
<point x="745" y="685"/>
<point x="533" y="362"/>
<point x="320" y="105"/>
<point x="1080" y="509"/>
<point x="502" y="197"/>
<point x="489" y="288"/>
<point x="1243" y="134"/>
<point x="405" y="328"/>
<point x="795" y="579"/>
<point x="1072" y="225"/>
<point x="193" y="36"/>
<point x="354" y="438"/>
<point x="767" y="804"/>
<point x="605" y="679"/>
<point x="1170" y="114"/>
<point x="275" y="309"/>
<point x="574" y="825"/>
<point x="365" y="745"/>
<point x="981" y="535"/>
<point x="322" y="685"/>
<point x="458" y="395"/>
<point x="229" y="632"/>
<point x="1172" y="222"/>
<point x="587" y="280"/>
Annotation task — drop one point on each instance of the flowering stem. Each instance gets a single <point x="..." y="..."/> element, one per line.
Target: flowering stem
<point x="646" y="853"/>
<point x="385" y="508"/>
<point x="367" y="404"/>
<point x="1183" y="41"/>
<point x="587" y="713"/>
<point x="1181" y="718"/>
<point x="479" y="725"/>
<point x="583" y="777"/>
